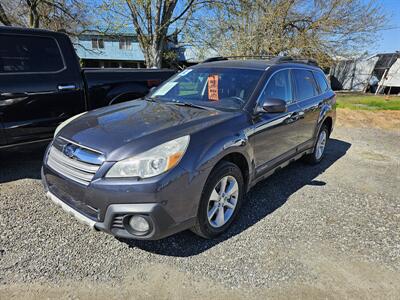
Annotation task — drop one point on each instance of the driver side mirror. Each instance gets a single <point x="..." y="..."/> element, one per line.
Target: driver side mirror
<point x="272" y="105"/>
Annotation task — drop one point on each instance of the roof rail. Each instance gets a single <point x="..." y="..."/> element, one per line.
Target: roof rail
<point x="219" y="58"/>
<point x="296" y="59"/>
<point x="216" y="58"/>
<point x="271" y="58"/>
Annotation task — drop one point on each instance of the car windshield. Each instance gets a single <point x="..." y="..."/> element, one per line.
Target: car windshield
<point x="219" y="88"/>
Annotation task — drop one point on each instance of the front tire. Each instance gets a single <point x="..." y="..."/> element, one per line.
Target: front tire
<point x="220" y="201"/>
<point x="319" y="149"/>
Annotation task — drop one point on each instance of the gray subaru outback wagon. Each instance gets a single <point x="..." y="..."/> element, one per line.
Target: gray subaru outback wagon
<point x="184" y="156"/>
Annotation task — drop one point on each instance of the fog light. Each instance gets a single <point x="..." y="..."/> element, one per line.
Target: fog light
<point x="139" y="224"/>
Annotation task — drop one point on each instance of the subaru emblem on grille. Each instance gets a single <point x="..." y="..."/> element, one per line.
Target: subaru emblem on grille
<point x="69" y="150"/>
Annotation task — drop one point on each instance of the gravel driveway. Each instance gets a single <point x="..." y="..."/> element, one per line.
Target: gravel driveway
<point x="331" y="230"/>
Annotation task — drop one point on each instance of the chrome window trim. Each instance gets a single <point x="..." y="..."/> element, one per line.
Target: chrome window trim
<point x="294" y="100"/>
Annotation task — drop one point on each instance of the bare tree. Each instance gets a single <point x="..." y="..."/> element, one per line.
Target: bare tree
<point x="34" y="16"/>
<point x="320" y="29"/>
<point x="3" y="16"/>
<point x="152" y="21"/>
<point x="68" y="15"/>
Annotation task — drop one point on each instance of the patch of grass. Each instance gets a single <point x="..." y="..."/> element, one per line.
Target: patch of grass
<point x="358" y="101"/>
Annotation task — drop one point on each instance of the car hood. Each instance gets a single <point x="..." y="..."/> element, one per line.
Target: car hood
<point x="125" y="129"/>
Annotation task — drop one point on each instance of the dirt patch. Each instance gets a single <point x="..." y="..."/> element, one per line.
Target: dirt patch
<point x="338" y="278"/>
<point x="156" y="282"/>
<point x="385" y="119"/>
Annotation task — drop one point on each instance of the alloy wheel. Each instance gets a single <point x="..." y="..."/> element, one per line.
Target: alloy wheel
<point x="320" y="147"/>
<point x="222" y="201"/>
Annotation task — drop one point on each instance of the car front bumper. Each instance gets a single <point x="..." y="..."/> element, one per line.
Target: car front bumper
<point x="117" y="207"/>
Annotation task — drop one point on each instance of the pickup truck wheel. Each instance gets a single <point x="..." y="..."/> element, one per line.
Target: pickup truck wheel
<point x="220" y="201"/>
<point x="319" y="149"/>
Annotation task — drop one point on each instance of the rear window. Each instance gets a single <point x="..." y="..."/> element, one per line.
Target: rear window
<point x="321" y="80"/>
<point x="23" y="54"/>
<point x="305" y="84"/>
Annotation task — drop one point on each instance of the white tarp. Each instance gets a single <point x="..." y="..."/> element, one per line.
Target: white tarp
<point x="354" y="74"/>
<point x="363" y="73"/>
<point x="393" y="75"/>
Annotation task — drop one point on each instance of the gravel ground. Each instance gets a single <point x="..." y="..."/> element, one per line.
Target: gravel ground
<point x="325" y="231"/>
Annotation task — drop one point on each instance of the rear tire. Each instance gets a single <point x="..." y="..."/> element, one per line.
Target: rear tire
<point x="319" y="149"/>
<point x="220" y="201"/>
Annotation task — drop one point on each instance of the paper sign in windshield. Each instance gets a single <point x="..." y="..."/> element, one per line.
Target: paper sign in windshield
<point x="213" y="88"/>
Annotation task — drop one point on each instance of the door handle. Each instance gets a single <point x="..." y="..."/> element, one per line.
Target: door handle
<point x="67" y="87"/>
<point x="296" y="116"/>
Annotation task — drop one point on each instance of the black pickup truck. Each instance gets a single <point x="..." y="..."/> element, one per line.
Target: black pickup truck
<point x="42" y="84"/>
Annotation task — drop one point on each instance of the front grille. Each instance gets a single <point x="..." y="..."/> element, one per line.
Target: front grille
<point x="72" y="167"/>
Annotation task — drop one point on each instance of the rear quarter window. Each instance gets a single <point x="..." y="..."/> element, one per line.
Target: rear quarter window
<point x="29" y="54"/>
<point x="321" y="81"/>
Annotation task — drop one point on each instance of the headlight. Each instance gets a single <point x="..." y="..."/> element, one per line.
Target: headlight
<point x="66" y="122"/>
<point x="152" y="162"/>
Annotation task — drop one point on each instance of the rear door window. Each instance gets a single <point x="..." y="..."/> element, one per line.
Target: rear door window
<point x="29" y="54"/>
<point x="305" y="84"/>
<point x="321" y="80"/>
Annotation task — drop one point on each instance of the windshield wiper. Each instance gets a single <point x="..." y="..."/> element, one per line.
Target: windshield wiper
<point x="150" y="99"/>
<point x="188" y="104"/>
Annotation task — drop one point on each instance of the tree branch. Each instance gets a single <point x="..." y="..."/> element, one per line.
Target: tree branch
<point x="3" y="16"/>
